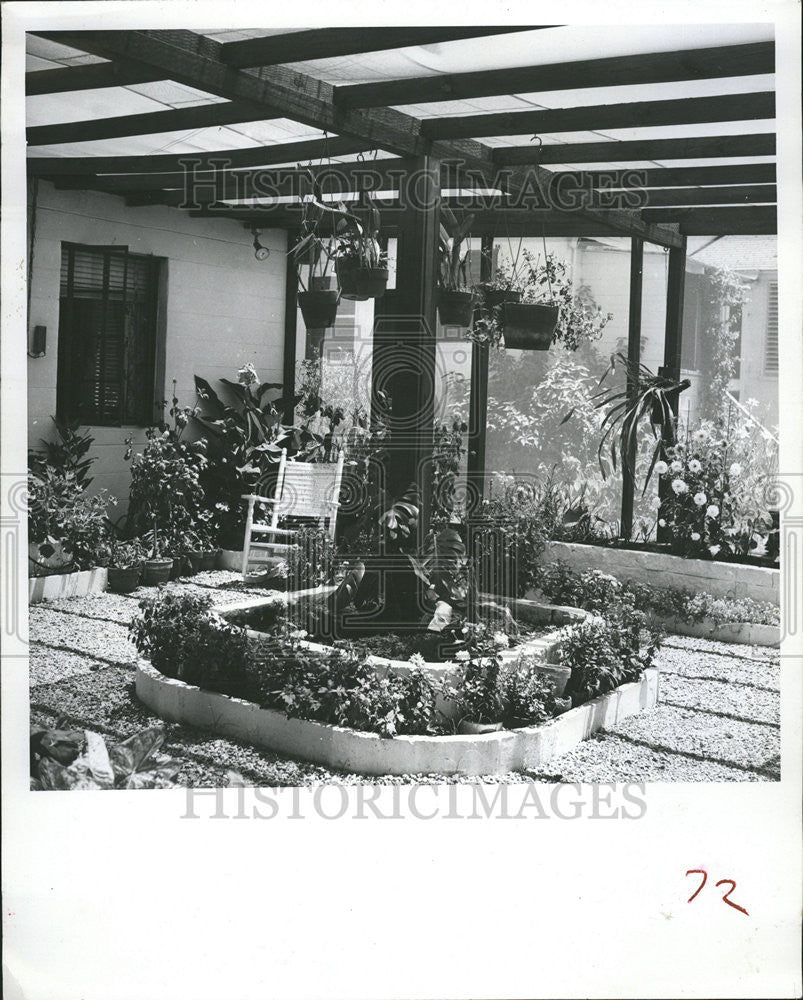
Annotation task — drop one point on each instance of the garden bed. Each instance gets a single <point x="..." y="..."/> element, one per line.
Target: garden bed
<point x="719" y="579"/>
<point x="59" y="585"/>
<point x="368" y="753"/>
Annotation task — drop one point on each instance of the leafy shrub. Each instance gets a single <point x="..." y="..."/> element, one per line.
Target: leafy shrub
<point x="182" y="638"/>
<point x="70" y="760"/>
<point x="62" y="515"/>
<point x="67" y="454"/>
<point x="527" y="696"/>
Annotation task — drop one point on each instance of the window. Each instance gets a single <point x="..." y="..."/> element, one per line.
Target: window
<point x="771" y="339"/>
<point x="107" y="335"/>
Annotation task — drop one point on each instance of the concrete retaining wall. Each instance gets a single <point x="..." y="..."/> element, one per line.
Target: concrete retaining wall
<point x="659" y="569"/>
<point x="747" y="633"/>
<point x="367" y="753"/>
<point x="53" y="588"/>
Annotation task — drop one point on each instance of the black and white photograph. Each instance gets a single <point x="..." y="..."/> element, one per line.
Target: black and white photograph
<point x="401" y="406"/>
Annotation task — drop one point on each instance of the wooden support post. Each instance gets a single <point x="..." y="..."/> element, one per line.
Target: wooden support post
<point x="404" y="356"/>
<point x="634" y="359"/>
<point x="290" y="331"/>
<point x="675" y="287"/>
<point x="478" y="399"/>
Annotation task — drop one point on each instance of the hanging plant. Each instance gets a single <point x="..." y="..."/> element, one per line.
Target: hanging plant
<point x="317" y="299"/>
<point x="455" y="297"/>
<point x="359" y="261"/>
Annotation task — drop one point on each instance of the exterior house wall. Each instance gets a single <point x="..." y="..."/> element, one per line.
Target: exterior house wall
<point x="223" y="307"/>
<point x="754" y="382"/>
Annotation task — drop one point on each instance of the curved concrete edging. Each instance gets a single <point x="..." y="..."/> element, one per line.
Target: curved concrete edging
<point x="366" y="753"/>
<point x="747" y="633"/>
<point x="60" y="585"/>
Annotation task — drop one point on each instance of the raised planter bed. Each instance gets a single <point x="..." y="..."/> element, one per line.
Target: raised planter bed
<point x="60" y="585"/>
<point x="748" y="633"/>
<point x="231" y="559"/>
<point x="367" y="753"/>
<point x="659" y="569"/>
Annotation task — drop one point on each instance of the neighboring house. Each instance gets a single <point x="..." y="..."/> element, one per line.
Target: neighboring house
<point x="133" y="298"/>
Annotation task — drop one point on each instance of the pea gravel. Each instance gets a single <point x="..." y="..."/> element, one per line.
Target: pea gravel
<point x="718" y="717"/>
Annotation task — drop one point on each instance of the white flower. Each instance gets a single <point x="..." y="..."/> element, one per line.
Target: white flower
<point x="417" y="660"/>
<point x="299" y="633"/>
<point x="501" y="640"/>
<point x="694" y="465"/>
<point x="462" y="655"/>
<point x="695" y="536"/>
<point x="700" y="435"/>
<point x="655" y="503"/>
<point x="661" y="522"/>
<point x="735" y="469"/>
<point x="676" y="466"/>
<point x="714" y="549"/>
<point x="712" y="510"/>
<point x="247" y="375"/>
<point x="679" y="486"/>
<point x="700" y="499"/>
<point x="661" y="468"/>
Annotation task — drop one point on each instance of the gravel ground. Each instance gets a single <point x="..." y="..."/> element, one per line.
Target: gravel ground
<point x="717" y="718"/>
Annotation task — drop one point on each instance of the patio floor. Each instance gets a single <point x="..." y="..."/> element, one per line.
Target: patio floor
<point x="718" y="717"/>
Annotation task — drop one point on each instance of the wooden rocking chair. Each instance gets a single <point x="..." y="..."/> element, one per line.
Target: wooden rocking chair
<point x="303" y="490"/>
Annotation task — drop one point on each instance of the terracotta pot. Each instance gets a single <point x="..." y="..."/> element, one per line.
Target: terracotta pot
<point x="156" y="571"/>
<point x="455" y="308"/>
<point x="209" y="558"/>
<point x="122" y="580"/>
<point x="469" y="728"/>
<point x="196" y="560"/>
<point x="360" y="283"/>
<point x="319" y="309"/>
<point x="180" y="567"/>
<point x="529" y="326"/>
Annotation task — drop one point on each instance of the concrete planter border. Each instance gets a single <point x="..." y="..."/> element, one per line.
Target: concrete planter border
<point x="720" y="579"/>
<point x="367" y="753"/>
<point x="61" y="585"/>
<point x="745" y="633"/>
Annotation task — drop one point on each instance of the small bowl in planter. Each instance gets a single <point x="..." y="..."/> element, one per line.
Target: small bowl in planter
<point x="469" y="728"/>
<point x="156" y="571"/>
<point x="455" y="308"/>
<point x="529" y="326"/>
<point x="122" y="580"/>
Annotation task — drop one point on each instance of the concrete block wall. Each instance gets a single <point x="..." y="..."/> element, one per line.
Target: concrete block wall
<point x="719" y="579"/>
<point x="224" y="308"/>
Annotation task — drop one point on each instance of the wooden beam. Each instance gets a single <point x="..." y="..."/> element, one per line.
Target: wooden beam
<point x="290" y="330"/>
<point x="91" y="77"/>
<point x="735" y="173"/>
<point x="478" y="399"/>
<point x="751" y="220"/>
<point x="192" y="60"/>
<point x="651" y="67"/>
<point x="740" y="195"/>
<point x="634" y="357"/>
<point x="254" y="156"/>
<point x="151" y="123"/>
<point x="703" y="147"/>
<point x="673" y="343"/>
<point x="636" y="114"/>
<point x="327" y="43"/>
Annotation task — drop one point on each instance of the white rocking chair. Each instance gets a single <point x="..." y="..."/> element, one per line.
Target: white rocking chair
<point x="303" y="489"/>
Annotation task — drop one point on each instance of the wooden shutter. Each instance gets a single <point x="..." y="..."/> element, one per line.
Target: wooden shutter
<point x="771" y="339"/>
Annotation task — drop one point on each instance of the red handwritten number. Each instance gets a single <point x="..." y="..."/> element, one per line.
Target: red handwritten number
<point x="725" y="898"/>
<point x="697" y="871"/>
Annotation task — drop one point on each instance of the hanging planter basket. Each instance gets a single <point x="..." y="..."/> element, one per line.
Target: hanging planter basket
<point x="529" y="326"/>
<point x="319" y="304"/>
<point x="455" y="308"/>
<point x="499" y="296"/>
<point x="360" y="283"/>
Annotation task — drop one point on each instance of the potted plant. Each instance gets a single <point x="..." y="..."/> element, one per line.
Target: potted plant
<point x="479" y="700"/>
<point x="530" y="324"/>
<point x="125" y="568"/>
<point x="158" y="566"/>
<point x="360" y="264"/>
<point x="455" y="298"/>
<point x="317" y="299"/>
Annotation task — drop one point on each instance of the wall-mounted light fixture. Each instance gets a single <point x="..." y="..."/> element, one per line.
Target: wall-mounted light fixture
<point x="260" y="252"/>
<point x="38" y="342"/>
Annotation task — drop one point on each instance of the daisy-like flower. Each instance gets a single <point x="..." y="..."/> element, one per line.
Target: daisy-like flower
<point x="694" y="466"/>
<point x="695" y="536"/>
<point x="299" y="633"/>
<point x="679" y="486"/>
<point x="417" y="660"/>
<point x="735" y="469"/>
<point x="501" y="640"/>
<point x="661" y="468"/>
<point x="676" y="466"/>
<point x="714" y="549"/>
<point x="700" y="499"/>
<point x="661" y="522"/>
<point x="699" y="435"/>
<point x="462" y="655"/>
<point x="712" y="510"/>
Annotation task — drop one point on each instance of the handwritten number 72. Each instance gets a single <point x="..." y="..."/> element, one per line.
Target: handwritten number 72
<point x="722" y="881"/>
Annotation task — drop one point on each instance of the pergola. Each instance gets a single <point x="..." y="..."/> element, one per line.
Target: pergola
<point x="686" y="130"/>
